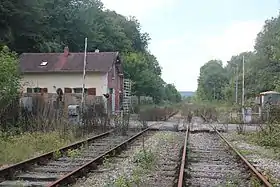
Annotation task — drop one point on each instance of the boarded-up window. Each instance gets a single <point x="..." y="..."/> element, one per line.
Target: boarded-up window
<point x="37" y="90"/>
<point x="67" y="90"/>
<point x="91" y="91"/>
<point x="29" y="90"/>
<point x="45" y="90"/>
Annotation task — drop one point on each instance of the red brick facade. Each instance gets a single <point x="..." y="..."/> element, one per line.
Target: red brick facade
<point x="115" y="81"/>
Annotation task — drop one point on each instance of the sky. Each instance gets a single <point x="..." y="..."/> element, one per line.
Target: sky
<point x="185" y="34"/>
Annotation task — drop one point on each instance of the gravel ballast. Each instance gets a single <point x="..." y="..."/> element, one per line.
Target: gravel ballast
<point x="260" y="157"/>
<point x="210" y="164"/>
<point x="162" y="157"/>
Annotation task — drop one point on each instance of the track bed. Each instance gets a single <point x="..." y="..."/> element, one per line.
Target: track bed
<point x="210" y="163"/>
<point x="48" y="171"/>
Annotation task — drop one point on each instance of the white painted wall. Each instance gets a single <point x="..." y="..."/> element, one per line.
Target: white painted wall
<point x="52" y="81"/>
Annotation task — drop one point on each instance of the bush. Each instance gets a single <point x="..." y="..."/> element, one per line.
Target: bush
<point x="156" y="113"/>
<point x="268" y="135"/>
<point x="9" y="85"/>
<point x="207" y="112"/>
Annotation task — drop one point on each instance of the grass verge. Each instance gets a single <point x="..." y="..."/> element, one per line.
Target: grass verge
<point x="17" y="148"/>
<point x="254" y="144"/>
<point x="268" y="145"/>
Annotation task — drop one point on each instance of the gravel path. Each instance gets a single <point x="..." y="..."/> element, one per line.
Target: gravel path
<point x="260" y="157"/>
<point x="158" y="169"/>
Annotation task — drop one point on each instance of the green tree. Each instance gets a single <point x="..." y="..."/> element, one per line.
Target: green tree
<point x="211" y="81"/>
<point x="67" y="22"/>
<point x="9" y="76"/>
<point x="262" y="68"/>
<point x="171" y="93"/>
<point x="144" y="71"/>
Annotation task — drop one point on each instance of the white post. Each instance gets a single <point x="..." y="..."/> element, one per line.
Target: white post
<point x="84" y="76"/>
<point x="236" y="86"/>
<point x="243" y="89"/>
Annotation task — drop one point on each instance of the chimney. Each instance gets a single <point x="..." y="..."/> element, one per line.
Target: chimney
<point x="96" y="50"/>
<point x="66" y="51"/>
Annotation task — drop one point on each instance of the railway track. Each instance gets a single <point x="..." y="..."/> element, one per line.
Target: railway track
<point x="208" y="159"/>
<point x="67" y="164"/>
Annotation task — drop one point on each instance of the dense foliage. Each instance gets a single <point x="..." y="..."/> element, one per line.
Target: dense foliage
<point x="9" y="76"/>
<point x="49" y="25"/>
<point x="211" y="81"/>
<point x="262" y="69"/>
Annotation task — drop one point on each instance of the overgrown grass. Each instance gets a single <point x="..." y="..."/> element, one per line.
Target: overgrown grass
<point x="156" y="113"/>
<point x="268" y="137"/>
<point x="265" y="151"/>
<point x="256" y="138"/>
<point x="20" y="147"/>
<point x="210" y="111"/>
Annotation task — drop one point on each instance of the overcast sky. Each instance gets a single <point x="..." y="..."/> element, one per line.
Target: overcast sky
<point x="188" y="33"/>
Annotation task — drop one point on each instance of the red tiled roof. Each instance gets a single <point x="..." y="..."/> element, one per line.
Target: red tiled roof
<point x="74" y="62"/>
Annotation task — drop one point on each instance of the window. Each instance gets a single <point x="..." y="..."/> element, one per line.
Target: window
<point x="29" y="90"/>
<point x="37" y="90"/>
<point x="91" y="91"/>
<point x="77" y="90"/>
<point x="80" y="90"/>
<point x="67" y="90"/>
<point x="111" y="90"/>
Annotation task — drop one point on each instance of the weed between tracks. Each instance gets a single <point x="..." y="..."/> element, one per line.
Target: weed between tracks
<point x="73" y="153"/>
<point x="253" y="183"/>
<point x="145" y="161"/>
<point x="129" y="181"/>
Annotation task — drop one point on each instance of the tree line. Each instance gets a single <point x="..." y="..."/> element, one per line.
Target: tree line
<point x="49" y="25"/>
<point x="262" y="69"/>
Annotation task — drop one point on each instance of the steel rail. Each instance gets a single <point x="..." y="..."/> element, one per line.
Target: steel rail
<point x="8" y="172"/>
<point x="252" y="168"/>
<point x="70" y="177"/>
<point x="183" y="161"/>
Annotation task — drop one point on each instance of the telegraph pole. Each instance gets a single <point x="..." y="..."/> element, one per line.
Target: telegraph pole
<point x="243" y="89"/>
<point x="84" y="75"/>
<point x="236" y="86"/>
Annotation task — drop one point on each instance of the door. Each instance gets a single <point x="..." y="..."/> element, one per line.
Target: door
<point x="113" y="95"/>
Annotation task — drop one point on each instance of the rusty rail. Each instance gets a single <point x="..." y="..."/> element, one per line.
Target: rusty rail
<point x="70" y="177"/>
<point x="183" y="161"/>
<point x="252" y="168"/>
<point x="10" y="171"/>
